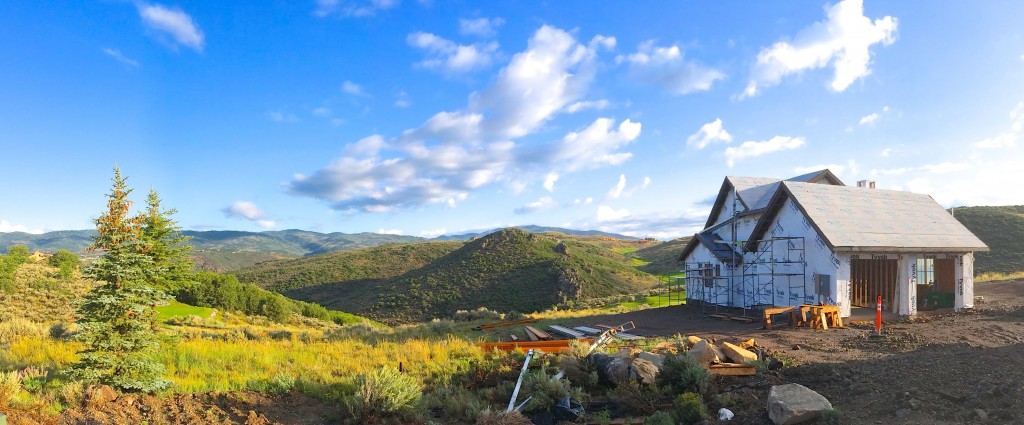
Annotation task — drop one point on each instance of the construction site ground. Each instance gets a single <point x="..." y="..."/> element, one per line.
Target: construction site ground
<point x="935" y="368"/>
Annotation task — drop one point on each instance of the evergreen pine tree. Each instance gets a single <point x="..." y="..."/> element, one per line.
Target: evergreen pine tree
<point x="167" y="247"/>
<point x="117" y="317"/>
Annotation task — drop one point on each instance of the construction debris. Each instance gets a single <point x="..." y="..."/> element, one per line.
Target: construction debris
<point x="571" y="333"/>
<point x="553" y="346"/>
<point x="539" y="333"/>
<point x="703" y="353"/>
<point x="503" y="324"/>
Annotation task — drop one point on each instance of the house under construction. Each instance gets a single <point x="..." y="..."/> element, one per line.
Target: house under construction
<point x="811" y="239"/>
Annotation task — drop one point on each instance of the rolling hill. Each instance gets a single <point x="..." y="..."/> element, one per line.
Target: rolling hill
<point x="537" y="229"/>
<point x="663" y="258"/>
<point x="509" y="270"/>
<point x="1002" y="229"/>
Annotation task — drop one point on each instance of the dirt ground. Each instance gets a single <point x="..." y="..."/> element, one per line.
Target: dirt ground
<point x="936" y="368"/>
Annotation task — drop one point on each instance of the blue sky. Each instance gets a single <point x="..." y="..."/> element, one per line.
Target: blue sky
<point x="425" y="118"/>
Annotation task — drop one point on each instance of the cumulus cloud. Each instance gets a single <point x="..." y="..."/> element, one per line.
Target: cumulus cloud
<point x="450" y="57"/>
<point x="482" y="27"/>
<point x="616" y="191"/>
<point x="586" y="201"/>
<point x="120" y="57"/>
<point x="249" y="211"/>
<point x="709" y="133"/>
<point x="7" y="227"/>
<point x="667" y="68"/>
<point x="870" y="119"/>
<point x="352" y="8"/>
<point x="402" y="100"/>
<point x="1008" y="138"/>
<point x="354" y="89"/>
<point x="384" y="231"/>
<point x="660" y="226"/>
<point x="433" y="233"/>
<point x="886" y="152"/>
<point x="322" y="112"/>
<point x="549" y="181"/>
<point x="752" y="149"/>
<point x="540" y="204"/>
<point x="456" y="152"/>
<point x="606" y="213"/>
<point x="843" y="41"/>
<point x="172" y="23"/>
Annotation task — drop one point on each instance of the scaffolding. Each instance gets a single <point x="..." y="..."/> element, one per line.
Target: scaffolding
<point x="778" y="272"/>
<point x="675" y="290"/>
<point x="706" y="280"/>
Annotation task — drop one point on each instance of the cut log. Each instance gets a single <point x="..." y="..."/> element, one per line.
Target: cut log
<point x="731" y="369"/>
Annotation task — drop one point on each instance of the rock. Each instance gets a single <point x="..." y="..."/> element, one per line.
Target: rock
<point x="902" y="413"/>
<point x="256" y="419"/>
<point x="692" y="340"/>
<point x="982" y="414"/>
<point x="98" y="395"/>
<point x="718" y="352"/>
<point x="748" y="344"/>
<point x="562" y="248"/>
<point x="796" y="346"/>
<point x="624" y="370"/>
<point x="794" y="403"/>
<point x="656" y="359"/>
<point x="703" y="353"/>
<point x="738" y="354"/>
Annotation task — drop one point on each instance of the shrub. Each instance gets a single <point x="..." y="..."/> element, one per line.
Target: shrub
<point x="689" y="408"/>
<point x="681" y="373"/>
<point x="660" y="418"/>
<point x="10" y="386"/>
<point x="831" y="416"/>
<point x="18" y="327"/>
<point x="490" y="417"/>
<point x="546" y="391"/>
<point x="482" y="313"/>
<point x="71" y="393"/>
<point x="60" y="330"/>
<point x="385" y="392"/>
<point x="457" y="403"/>
<point x="640" y="399"/>
<point x="280" y="335"/>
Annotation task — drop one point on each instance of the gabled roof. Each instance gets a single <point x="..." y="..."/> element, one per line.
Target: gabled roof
<point x="853" y="219"/>
<point x="714" y="243"/>
<point x="755" y="192"/>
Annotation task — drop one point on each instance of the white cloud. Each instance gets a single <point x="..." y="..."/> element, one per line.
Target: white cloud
<point x="586" y="201"/>
<point x="172" y="22"/>
<point x="647" y="182"/>
<point x="588" y="104"/>
<point x="352" y="8"/>
<point x="540" y="204"/>
<point x="752" y="149"/>
<point x="836" y="169"/>
<point x="402" y="100"/>
<point x="616" y="191"/>
<point x="870" y="119"/>
<point x="1008" y="138"/>
<point x="452" y="58"/>
<point x="433" y="233"/>
<point x="606" y="213"/>
<point x="549" y="181"/>
<point x="283" y="117"/>
<point x="886" y="152"/>
<point x="384" y="231"/>
<point x="120" y="57"/>
<point x="660" y="226"/>
<point x="709" y="133"/>
<point x="456" y="152"/>
<point x="666" y="67"/>
<point x="482" y="27"/>
<point x="843" y="40"/>
<point x="354" y="89"/>
<point x="7" y="227"/>
<point x="322" y="112"/>
<point x="249" y="211"/>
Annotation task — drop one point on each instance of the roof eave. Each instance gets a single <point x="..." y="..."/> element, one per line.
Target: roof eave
<point x="905" y="249"/>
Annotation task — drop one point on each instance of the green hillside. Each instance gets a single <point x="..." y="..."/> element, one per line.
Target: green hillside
<point x="662" y="258"/>
<point x="374" y="263"/>
<point x="509" y="270"/>
<point x="1002" y="229"/>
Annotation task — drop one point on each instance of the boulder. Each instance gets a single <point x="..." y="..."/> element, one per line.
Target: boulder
<point x="692" y="340"/>
<point x="748" y="344"/>
<point x="738" y="354"/>
<point x="794" y="403"/>
<point x="98" y="395"/>
<point x="704" y="353"/>
<point x="621" y="370"/>
<point x="656" y="359"/>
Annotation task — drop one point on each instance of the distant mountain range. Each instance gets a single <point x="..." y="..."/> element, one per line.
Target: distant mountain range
<point x="535" y="229"/>
<point x="223" y="250"/>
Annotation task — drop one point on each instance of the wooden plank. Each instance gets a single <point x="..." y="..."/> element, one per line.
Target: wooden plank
<point x="503" y="324"/>
<point x="540" y="334"/>
<point x="720" y="316"/>
<point x="531" y="335"/>
<point x="743" y="319"/>
<point x="732" y="370"/>
<point x="566" y="331"/>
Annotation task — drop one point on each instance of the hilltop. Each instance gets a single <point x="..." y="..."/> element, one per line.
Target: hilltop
<point x="509" y="270"/>
<point x="363" y="264"/>
<point x="1002" y="229"/>
<point x="662" y="258"/>
<point x="538" y="229"/>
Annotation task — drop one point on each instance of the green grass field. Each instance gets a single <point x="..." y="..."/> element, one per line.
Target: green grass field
<point x="176" y="309"/>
